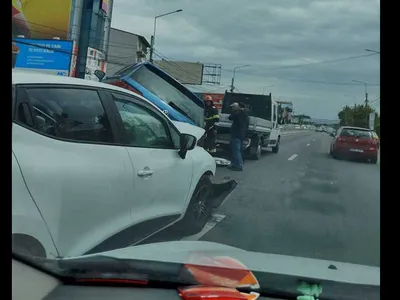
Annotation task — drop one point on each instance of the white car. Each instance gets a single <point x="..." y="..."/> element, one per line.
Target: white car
<point x="96" y="167"/>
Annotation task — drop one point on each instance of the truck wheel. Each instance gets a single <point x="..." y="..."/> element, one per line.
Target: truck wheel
<point x="198" y="211"/>
<point x="276" y="148"/>
<point x="256" y="152"/>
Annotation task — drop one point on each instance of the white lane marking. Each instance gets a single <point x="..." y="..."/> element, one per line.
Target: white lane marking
<point x="308" y="145"/>
<point x="292" y="157"/>
<point x="216" y="218"/>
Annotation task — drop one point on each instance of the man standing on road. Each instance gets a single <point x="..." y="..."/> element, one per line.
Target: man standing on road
<point x="211" y="117"/>
<point x="240" y="125"/>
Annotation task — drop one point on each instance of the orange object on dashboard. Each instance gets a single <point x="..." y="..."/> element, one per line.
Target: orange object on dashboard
<point x="124" y="85"/>
<point x="216" y="293"/>
<point x="221" y="271"/>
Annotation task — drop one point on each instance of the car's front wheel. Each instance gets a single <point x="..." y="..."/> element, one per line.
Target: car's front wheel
<point x="199" y="210"/>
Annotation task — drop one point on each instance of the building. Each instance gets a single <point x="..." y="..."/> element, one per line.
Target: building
<point x="92" y="21"/>
<point x="125" y="48"/>
<point x="69" y="38"/>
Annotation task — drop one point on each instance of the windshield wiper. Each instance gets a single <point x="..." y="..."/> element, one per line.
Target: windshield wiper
<point x="101" y="266"/>
<point x="180" y="110"/>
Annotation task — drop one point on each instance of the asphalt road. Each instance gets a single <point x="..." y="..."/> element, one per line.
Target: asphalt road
<point x="301" y="202"/>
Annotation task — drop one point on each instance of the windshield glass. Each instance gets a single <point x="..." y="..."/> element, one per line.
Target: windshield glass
<point x="168" y="93"/>
<point x="356" y="133"/>
<point x="264" y="147"/>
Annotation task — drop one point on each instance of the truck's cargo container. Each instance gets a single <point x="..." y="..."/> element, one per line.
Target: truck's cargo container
<point x="263" y="129"/>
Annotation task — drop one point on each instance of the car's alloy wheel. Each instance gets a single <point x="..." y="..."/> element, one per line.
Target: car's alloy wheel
<point x="198" y="211"/>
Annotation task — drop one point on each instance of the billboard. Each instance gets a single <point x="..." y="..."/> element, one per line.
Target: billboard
<point x="183" y="71"/>
<point x="50" y="56"/>
<point x="95" y="60"/>
<point x="41" y="19"/>
<point x="371" y="122"/>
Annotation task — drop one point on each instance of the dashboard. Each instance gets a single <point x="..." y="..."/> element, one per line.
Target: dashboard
<point x="30" y="283"/>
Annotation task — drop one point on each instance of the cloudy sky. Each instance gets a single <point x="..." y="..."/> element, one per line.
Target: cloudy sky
<point x="309" y="50"/>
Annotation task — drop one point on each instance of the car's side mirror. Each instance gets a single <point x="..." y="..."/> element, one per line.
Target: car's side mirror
<point x="187" y="142"/>
<point x="99" y="74"/>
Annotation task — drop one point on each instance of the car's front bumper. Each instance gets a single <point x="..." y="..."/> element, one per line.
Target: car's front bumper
<point x="221" y="192"/>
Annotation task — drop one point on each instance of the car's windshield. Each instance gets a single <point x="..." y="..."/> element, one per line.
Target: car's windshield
<point x="277" y="163"/>
<point x="168" y="93"/>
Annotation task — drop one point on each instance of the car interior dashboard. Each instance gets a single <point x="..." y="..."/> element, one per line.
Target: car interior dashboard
<point x="33" y="284"/>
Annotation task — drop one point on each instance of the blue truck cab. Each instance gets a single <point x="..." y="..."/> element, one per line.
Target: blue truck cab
<point x="149" y="81"/>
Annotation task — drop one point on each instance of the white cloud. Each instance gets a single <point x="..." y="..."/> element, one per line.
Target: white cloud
<point x="267" y="35"/>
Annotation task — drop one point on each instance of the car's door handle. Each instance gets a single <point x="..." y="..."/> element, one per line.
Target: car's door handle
<point x="145" y="172"/>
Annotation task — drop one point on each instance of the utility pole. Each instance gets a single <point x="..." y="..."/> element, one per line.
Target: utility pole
<point x="366" y="91"/>
<point x="366" y="100"/>
<point x="153" y="37"/>
<point x="233" y="77"/>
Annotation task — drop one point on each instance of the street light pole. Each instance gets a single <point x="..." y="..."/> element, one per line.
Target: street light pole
<point x="233" y="78"/>
<point x="153" y="37"/>
<point x="266" y="87"/>
<point x="369" y="50"/>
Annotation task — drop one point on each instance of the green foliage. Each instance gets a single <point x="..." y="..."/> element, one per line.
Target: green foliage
<point x="358" y="116"/>
<point x="304" y="119"/>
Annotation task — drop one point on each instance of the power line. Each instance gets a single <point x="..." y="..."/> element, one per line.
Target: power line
<point x="319" y="62"/>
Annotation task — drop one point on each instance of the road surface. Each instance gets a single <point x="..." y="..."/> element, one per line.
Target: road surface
<point x="300" y="202"/>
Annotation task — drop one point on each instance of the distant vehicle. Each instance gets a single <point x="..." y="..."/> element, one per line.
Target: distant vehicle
<point x="354" y="142"/>
<point x="95" y="166"/>
<point x="264" y="131"/>
<point x="174" y="99"/>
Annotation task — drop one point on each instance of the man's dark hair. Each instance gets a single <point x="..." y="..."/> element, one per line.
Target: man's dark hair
<point x="242" y="105"/>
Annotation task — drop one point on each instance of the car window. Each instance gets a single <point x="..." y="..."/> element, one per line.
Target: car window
<point x="142" y="127"/>
<point x="69" y="113"/>
<point x="176" y="137"/>
<point x="356" y="133"/>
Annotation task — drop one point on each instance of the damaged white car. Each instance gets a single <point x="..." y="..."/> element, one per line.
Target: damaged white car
<point x="96" y="167"/>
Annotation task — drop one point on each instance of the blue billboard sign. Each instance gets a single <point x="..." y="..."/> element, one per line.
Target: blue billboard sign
<point x="51" y="56"/>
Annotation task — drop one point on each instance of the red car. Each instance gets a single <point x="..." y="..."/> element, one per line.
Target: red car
<point x="354" y="142"/>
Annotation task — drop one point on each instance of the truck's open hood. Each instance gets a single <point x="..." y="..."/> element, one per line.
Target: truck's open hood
<point x="182" y="252"/>
<point x="196" y="131"/>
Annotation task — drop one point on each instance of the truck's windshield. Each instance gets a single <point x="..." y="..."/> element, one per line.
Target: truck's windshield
<point x="168" y="93"/>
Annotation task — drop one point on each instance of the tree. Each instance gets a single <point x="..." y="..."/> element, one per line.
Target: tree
<point x="357" y="116"/>
<point x="303" y="118"/>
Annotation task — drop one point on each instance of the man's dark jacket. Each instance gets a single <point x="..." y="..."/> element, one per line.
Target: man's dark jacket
<point x="240" y="123"/>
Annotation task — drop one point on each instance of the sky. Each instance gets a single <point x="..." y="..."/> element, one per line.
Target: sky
<point x="310" y="51"/>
